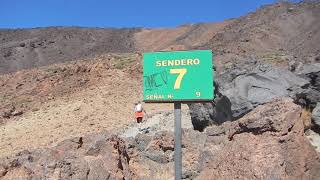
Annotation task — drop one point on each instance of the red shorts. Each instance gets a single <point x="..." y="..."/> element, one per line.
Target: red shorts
<point x="139" y="114"/>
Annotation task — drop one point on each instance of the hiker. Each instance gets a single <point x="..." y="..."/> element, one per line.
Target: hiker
<point x="138" y="110"/>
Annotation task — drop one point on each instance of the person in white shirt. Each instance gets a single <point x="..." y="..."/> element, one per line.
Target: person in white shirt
<point x="138" y="110"/>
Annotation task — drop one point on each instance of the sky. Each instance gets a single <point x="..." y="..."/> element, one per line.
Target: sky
<point x="120" y="13"/>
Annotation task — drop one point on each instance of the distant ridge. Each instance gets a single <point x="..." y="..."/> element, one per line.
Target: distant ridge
<point x="284" y="28"/>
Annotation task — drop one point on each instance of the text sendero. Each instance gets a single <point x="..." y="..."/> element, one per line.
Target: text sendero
<point x="178" y="62"/>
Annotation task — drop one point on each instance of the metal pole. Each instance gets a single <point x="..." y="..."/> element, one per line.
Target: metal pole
<point x="177" y="141"/>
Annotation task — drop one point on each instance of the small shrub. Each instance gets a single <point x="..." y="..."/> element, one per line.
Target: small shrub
<point x="123" y="62"/>
<point x="306" y="118"/>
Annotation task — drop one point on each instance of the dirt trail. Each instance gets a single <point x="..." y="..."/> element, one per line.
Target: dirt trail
<point x="159" y="121"/>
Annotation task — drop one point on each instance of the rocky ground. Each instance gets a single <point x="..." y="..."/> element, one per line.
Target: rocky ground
<point x="267" y="143"/>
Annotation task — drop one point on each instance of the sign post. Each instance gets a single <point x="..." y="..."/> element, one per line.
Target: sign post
<point x="176" y="77"/>
<point x="177" y="141"/>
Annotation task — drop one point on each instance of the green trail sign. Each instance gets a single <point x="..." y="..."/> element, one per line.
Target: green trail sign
<point x="178" y="76"/>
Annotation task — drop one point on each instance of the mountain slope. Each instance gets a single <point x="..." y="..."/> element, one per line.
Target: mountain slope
<point x="28" y="48"/>
<point x="282" y="29"/>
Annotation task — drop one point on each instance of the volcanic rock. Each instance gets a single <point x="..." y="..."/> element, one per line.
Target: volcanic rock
<point x="240" y="94"/>
<point x="215" y="112"/>
<point x="99" y="156"/>
<point x="267" y="143"/>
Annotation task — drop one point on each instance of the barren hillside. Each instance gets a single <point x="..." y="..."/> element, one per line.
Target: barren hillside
<point x="28" y="48"/>
<point x="290" y="30"/>
<point x="274" y="32"/>
<point x="41" y="107"/>
<point x="180" y="38"/>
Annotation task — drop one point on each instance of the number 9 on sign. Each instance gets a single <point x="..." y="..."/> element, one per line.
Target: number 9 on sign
<point x="198" y="94"/>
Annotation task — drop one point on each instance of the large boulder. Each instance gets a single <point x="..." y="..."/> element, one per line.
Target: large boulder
<point x="260" y="88"/>
<point x="309" y="95"/>
<point x="256" y="88"/>
<point x="151" y="157"/>
<point x="215" y="112"/>
<point x="267" y="143"/>
<point x="239" y="92"/>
